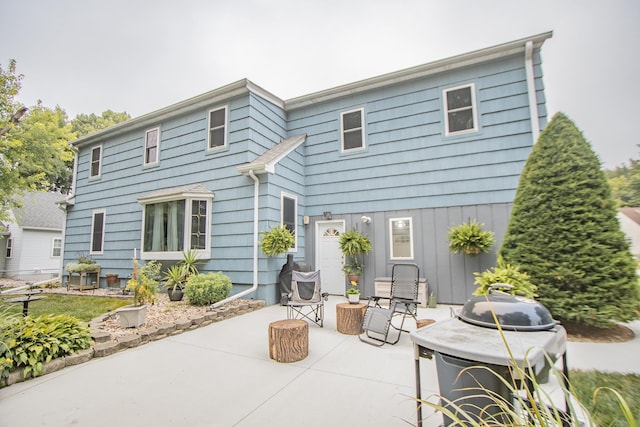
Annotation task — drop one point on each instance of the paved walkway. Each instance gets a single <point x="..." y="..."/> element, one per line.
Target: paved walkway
<point x="221" y="375"/>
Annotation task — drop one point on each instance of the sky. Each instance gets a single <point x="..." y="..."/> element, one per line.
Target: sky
<point x="138" y="56"/>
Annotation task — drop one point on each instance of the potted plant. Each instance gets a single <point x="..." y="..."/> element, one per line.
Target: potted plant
<point x="353" y="245"/>
<point x="112" y="280"/>
<point x="353" y="293"/>
<point x="277" y="240"/>
<point x="177" y="275"/>
<point x="144" y="290"/>
<point x="470" y="238"/>
<point x="83" y="274"/>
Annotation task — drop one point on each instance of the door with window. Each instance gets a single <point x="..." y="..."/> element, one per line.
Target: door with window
<point x="329" y="259"/>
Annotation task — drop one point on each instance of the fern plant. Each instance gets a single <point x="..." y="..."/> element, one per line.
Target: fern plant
<point x="470" y="238"/>
<point x="277" y="241"/>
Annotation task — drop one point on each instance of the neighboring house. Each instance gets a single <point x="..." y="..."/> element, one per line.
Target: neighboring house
<point x="630" y="224"/>
<point x="31" y="242"/>
<point x="402" y="156"/>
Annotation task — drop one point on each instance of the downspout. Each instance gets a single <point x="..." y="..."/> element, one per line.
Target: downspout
<point x="531" y="89"/>
<point x="256" y="194"/>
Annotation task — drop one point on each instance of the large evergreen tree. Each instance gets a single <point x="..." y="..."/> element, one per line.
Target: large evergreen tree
<point x="564" y="233"/>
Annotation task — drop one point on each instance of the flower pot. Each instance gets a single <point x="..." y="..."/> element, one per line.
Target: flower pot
<point x="113" y="281"/>
<point x="353" y="277"/>
<point x="353" y="298"/>
<point x="132" y="316"/>
<point x="175" y="295"/>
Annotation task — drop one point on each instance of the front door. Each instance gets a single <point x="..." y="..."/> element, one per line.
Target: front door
<point x="329" y="258"/>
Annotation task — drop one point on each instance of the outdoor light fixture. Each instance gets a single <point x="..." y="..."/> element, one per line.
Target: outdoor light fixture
<point x="366" y="219"/>
<point x="327" y="215"/>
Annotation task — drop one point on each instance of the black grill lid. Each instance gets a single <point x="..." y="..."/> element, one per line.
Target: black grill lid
<point x="513" y="312"/>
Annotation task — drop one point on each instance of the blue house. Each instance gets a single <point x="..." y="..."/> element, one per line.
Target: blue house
<point x="402" y="157"/>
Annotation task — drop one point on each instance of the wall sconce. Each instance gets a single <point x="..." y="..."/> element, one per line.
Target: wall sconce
<point x="327" y="215"/>
<point x="366" y="219"/>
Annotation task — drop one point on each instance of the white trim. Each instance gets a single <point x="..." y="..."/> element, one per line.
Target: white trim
<point x="295" y="216"/>
<point x="146" y="139"/>
<point x="104" y="221"/>
<point x="99" y="146"/>
<point x="361" y="128"/>
<point x="474" y="110"/>
<point x="225" y="126"/>
<point x="410" y="220"/>
<point x="531" y="91"/>
<point x="9" y="248"/>
<point x="53" y="246"/>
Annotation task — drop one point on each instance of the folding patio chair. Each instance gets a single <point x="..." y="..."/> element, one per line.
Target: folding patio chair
<point x="402" y="302"/>
<point x="306" y="300"/>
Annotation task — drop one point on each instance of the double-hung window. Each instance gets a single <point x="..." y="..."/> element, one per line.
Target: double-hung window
<point x="352" y="130"/>
<point x="176" y="221"/>
<point x="460" y="110"/>
<point x="401" y="238"/>
<point x="96" y="160"/>
<point x="9" y="251"/>
<point x="56" y="247"/>
<point x="151" y="146"/>
<point x="217" y="128"/>
<point x="97" y="232"/>
<point x="289" y="210"/>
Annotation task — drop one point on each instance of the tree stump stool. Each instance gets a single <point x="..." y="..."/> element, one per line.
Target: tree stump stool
<point x="349" y="318"/>
<point x="288" y="340"/>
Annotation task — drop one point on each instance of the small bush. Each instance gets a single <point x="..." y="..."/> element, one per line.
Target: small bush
<point x="29" y="342"/>
<point x="203" y="289"/>
<point x="505" y="273"/>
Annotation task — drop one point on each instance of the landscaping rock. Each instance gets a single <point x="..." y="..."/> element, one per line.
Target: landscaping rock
<point x="106" y="349"/>
<point x="130" y="341"/>
<point x="53" y="365"/>
<point x="81" y="356"/>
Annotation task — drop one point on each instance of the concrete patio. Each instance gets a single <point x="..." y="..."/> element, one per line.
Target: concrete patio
<point x="221" y="375"/>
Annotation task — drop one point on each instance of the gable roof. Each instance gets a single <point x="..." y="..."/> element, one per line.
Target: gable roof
<point x="39" y="210"/>
<point x="267" y="161"/>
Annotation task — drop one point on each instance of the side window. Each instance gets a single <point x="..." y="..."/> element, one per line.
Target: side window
<point x="151" y="143"/>
<point x="401" y="238"/>
<point x="96" y="160"/>
<point x="9" y="252"/>
<point x="460" y="110"/>
<point x="56" y="247"/>
<point x="289" y="211"/>
<point x="97" y="232"/>
<point x="352" y="130"/>
<point x="217" y="128"/>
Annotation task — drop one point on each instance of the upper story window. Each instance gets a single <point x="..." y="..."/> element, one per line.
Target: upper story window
<point x="56" y="247"/>
<point x="401" y="238"/>
<point x="175" y="222"/>
<point x="460" y="110"/>
<point x="151" y="145"/>
<point x="96" y="161"/>
<point x="352" y="129"/>
<point x="217" y="128"/>
<point x="97" y="232"/>
<point x="289" y="211"/>
<point x="9" y="252"/>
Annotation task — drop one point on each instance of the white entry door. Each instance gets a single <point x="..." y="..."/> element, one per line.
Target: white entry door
<point x="329" y="258"/>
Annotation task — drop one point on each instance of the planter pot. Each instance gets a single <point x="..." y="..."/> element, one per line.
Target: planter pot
<point x="353" y="298"/>
<point x="175" y="295"/>
<point x="113" y="281"/>
<point x="353" y="277"/>
<point x="132" y="316"/>
<point x="433" y="302"/>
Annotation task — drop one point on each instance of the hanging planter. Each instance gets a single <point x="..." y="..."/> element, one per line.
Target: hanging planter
<point x="470" y="239"/>
<point x="277" y="241"/>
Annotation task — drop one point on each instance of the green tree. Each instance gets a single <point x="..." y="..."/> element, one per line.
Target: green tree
<point x="84" y="124"/>
<point x="563" y="232"/>
<point x="625" y="184"/>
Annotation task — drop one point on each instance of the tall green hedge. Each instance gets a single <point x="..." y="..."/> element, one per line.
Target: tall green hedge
<point x="564" y="233"/>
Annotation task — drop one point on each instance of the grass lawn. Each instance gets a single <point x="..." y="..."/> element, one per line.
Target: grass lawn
<point x="84" y="308"/>
<point x="605" y="410"/>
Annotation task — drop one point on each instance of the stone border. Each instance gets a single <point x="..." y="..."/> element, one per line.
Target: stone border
<point x="104" y="345"/>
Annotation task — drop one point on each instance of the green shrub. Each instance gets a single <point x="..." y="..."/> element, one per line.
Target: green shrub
<point x="505" y="273"/>
<point x="29" y="342"/>
<point x="203" y="289"/>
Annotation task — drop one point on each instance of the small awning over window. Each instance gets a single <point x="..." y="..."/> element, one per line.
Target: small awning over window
<point x="191" y="190"/>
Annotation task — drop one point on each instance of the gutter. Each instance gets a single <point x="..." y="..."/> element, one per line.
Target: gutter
<point x="531" y="90"/>
<point x="256" y="194"/>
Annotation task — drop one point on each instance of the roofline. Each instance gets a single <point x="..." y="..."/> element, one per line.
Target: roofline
<point x="224" y="93"/>
<point x="447" y="64"/>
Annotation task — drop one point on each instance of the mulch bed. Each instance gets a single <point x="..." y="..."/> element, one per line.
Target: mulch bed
<point x="582" y="333"/>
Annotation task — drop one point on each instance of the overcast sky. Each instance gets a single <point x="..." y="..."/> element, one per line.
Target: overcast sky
<point x="141" y="55"/>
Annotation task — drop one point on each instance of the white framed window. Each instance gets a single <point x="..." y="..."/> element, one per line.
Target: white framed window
<point x="9" y="251"/>
<point x="217" y="138"/>
<point x="97" y="231"/>
<point x="151" y="146"/>
<point x="56" y="247"/>
<point x="96" y="162"/>
<point x="401" y="238"/>
<point x="176" y="224"/>
<point x="460" y="110"/>
<point x="352" y="130"/>
<point x="289" y="215"/>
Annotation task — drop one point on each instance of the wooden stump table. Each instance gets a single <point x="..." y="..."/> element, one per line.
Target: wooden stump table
<point x="349" y="318"/>
<point x="288" y="340"/>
